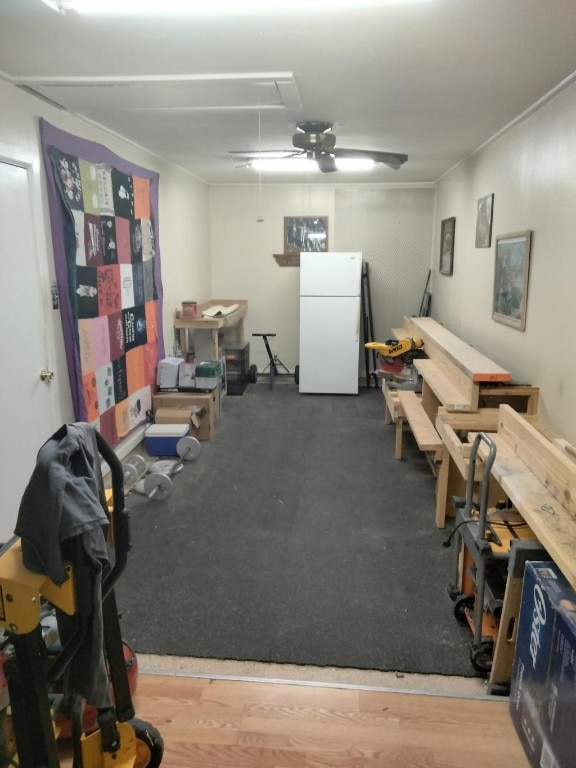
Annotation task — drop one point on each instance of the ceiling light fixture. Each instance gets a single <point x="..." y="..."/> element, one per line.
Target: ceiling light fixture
<point x="166" y="7"/>
<point x="288" y="165"/>
<point x="306" y="165"/>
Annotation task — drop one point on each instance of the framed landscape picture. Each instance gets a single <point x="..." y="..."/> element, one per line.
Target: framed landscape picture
<point x="511" y="270"/>
<point x="305" y="233"/>
<point x="484" y="221"/>
<point x="447" y="231"/>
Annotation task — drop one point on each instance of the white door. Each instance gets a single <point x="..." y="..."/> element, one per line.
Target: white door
<point x="25" y="402"/>
<point x="329" y="344"/>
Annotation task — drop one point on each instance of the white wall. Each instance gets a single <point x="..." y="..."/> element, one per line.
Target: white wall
<point x="531" y="169"/>
<point x="183" y="227"/>
<point x="243" y="265"/>
<point x="391" y="225"/>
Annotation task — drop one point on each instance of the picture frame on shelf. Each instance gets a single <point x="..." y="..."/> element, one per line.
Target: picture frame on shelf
<point x="484" y="212"/>
<point x="447" y="232"/>
<point x="305" y="233"/>
<point x="511" y="274"/>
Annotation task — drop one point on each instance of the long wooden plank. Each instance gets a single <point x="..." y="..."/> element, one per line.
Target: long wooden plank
<point x="422" y="428"/>
<point x="483" y="420"/>
<point x="475" y="365"/>
<point x="548" y="462"/>
<point x="450" y="395"/>
<point x="455" y="447"/>
<point x="391" y="399"/>
<point x="553" y="524"/>
<point x="449" y="424"/>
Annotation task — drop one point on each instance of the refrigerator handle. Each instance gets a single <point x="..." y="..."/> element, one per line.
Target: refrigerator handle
<point x="358" y="327"/>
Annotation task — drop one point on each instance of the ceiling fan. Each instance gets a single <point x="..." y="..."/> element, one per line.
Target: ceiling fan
<point x="315" y="140"/>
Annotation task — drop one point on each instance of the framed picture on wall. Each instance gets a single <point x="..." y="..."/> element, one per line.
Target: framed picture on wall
<point x="305" y="233"/>
<point x="484" y="221"/>
<point x="511" y="270"/>
<point x="447" y="230"/>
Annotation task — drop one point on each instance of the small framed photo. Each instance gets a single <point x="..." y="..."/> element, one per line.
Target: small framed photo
<point x="484" y="221"/>
<point x="447" y="230"/>
<point x="511" y="272"/>
<point x="305" y="233"/>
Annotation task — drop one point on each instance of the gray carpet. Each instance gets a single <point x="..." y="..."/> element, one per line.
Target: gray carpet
<point x="296" y="537"/>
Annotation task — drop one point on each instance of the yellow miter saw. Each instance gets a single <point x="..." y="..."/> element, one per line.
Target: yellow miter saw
<point x="396" y="357"/>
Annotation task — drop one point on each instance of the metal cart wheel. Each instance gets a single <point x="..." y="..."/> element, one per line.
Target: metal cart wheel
<point x="252" y="374"/>
<point x="149" y="745"/>
<point x="460" y="604"/>
<point x="297" y="374"/>
<point x="482" y="654"/>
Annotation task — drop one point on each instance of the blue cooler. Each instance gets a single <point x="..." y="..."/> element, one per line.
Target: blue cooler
<point x="162" y="439"/>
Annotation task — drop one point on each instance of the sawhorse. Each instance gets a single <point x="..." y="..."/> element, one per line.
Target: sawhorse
<point x="274" y="361"/>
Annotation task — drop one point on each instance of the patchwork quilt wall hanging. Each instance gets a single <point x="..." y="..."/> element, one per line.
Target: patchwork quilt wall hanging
<point x="104" y="221"/>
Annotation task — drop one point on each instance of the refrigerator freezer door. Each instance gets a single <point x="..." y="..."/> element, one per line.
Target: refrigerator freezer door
<point x="329" y="342"/>
<point x="330" y="274"/>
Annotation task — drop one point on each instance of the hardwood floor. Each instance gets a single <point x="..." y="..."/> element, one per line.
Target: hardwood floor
<point x="209" y="723"/>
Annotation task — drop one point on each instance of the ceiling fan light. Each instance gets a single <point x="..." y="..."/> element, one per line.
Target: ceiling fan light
<point x="287" y="165"/>
<point x="354" y="164"/>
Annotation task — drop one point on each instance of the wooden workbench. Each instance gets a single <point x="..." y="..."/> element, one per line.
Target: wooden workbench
<point x="456" y="379"/>
<point x="540" y="480"/>
<point x="212" y="326"/>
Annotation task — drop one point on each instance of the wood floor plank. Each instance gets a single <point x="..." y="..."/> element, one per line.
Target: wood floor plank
<point x="246" y="724"/>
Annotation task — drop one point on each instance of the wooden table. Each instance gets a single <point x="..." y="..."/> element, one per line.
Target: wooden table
<point x="213" y="326"/>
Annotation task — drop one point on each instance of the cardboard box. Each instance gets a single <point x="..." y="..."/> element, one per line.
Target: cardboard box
<point x="560" y="712"/>
<point x="162" y="439"/>
<point x="197" y="409"/>
<point x="167" y="373"/>
<point x="543" y="690"/>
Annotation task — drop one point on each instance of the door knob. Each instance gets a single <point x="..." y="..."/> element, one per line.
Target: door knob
<point x="46" y="375"/>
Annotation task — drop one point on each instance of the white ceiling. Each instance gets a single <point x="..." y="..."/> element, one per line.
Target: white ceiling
<point x="434" y="80"/>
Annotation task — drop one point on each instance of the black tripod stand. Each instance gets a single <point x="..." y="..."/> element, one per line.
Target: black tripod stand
<point x="273" y="364"/>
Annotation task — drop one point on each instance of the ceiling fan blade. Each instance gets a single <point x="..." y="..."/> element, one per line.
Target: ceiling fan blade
<point x="391" y="159"/>
<point x="255" y="153"/>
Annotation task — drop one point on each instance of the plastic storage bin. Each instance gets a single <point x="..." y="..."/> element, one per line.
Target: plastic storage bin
<point x="237" y="356"/>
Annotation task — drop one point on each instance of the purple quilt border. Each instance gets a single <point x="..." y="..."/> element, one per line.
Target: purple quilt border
<point x="93" y="153"/>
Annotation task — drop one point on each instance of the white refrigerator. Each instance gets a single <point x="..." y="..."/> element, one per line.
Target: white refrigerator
<point x="330" y="285"/>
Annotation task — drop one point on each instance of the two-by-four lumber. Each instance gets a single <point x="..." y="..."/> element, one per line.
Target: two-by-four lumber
<point x="449" y="424"/>
<point x="438" y="341"/>
<point x="428" y="440"/>
<point x="540" y="480"/>
<point x="422" y="428"/>
<point x="454" y="395"/>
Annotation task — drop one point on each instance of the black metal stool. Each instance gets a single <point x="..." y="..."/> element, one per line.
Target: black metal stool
<point x="274" y="361"/>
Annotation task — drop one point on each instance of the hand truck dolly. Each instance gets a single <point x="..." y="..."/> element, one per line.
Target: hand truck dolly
<point x="37" y="667"/>
<point x="485" y="539"/>
<point x="274" y="363"/>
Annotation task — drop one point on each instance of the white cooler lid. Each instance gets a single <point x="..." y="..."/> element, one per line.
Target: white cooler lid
<point x="167" y="430"/>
